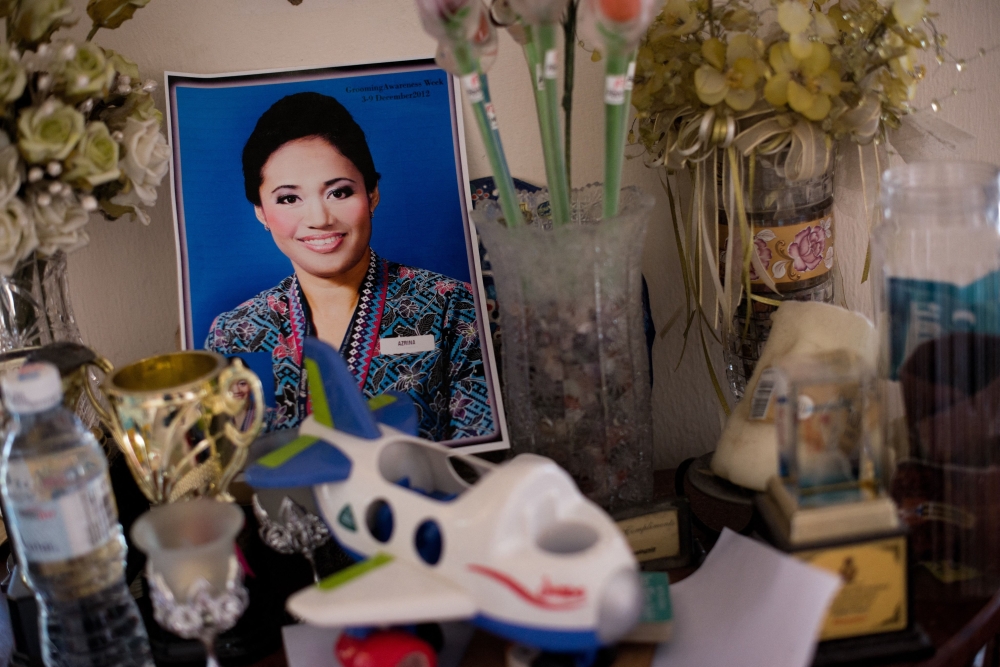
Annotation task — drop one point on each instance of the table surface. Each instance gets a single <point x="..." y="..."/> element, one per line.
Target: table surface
<point x="958" y="628"/>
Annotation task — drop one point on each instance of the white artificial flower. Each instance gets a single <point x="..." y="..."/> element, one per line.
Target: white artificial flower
<point x="17" y="235"/>
<point x="49" y="131"/>
<point x="11" y="169"/>
<point x="59" y="224"/>
<point x="145" y="162"/>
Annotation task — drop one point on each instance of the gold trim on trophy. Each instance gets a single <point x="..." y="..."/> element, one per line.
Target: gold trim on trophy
<point x="173" y="418"/>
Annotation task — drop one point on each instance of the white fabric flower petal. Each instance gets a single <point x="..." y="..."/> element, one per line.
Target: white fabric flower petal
<point x="826" y="30"/>
<point x="710" y="84"/>
<point x="793" y="17"/>
<point x="909" y="12"/>
<point x="741" y="99"/>
<point x="800" y="45"/>
<point x="742" y="46"/>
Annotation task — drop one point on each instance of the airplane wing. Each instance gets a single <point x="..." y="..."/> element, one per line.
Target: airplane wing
<point x="304" y="461"/>
<point x="382" y="590"/>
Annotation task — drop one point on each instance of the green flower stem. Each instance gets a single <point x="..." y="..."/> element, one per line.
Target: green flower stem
<point x="569" y="75"/>
<point x="501" y="172"/>
<point x="615" y="123"/>
<point x="469" y="65"/>
<point x="535" y="73"/>
<point x="555" y="162"/>
<point x="537" y="85"/>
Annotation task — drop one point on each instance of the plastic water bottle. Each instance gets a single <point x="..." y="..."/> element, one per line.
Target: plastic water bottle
<point x="64" y="525"/>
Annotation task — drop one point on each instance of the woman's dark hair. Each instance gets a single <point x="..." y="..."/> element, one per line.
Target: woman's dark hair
<point x="299" y="116"/>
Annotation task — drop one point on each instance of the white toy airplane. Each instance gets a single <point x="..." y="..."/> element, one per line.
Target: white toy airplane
<point x="517" y="549"/>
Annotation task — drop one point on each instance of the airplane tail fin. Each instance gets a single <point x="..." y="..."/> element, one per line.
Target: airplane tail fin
<point x="336" y="400"/>
<point x="395" y="409"/>
<point x="338" y="404"/>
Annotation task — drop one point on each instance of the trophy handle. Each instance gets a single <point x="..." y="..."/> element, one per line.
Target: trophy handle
<point x="241" y="439"/>
<point x="97" y="399"/>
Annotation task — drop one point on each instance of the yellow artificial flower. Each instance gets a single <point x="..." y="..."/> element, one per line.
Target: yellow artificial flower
<point x="740" y="19"/>
<point x="838" y="15"/>
<point x="899" y="82"/>
<point x="826" y="28"/>
<point x="660" y="86"/>
<point x="909" y="13"/>
<point x="802" y="25"/>
<point x="731" y="72"/>
<point x="806" y="84"/>
<point x="795" y="19"/>
<point x="678" y="18"/>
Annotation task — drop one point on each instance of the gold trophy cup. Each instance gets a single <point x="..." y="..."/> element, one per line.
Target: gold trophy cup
<point x="173" y="416"/>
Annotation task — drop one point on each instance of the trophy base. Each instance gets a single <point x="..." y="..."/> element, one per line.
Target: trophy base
<point x="840" y="521"/>
<point x="910" y="645"/>
<point x="716" y="503"/>
<point x="658" y="533"/>
<point x="870" y="619"/>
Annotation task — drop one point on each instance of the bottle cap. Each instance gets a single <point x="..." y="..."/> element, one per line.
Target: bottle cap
<point x="32" y="388"/>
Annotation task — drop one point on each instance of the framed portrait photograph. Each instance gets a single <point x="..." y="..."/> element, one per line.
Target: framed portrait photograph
<point x="334" y="203"/>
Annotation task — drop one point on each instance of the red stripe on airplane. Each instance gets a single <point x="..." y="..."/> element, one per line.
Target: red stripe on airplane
<point x="572" y="598"/>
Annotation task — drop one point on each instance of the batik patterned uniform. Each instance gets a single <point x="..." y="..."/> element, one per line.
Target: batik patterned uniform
<point x="447" y="384"/>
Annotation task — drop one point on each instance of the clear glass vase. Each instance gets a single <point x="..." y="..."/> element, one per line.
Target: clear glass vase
<point x="575" y="366"/>
<point x="793" y="235"/>
<point x="35" y="310"/>
<point x="35" y="306"/>
<point x="936" y="263"/>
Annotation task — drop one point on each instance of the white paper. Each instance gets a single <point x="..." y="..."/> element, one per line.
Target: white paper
<point x="748" y="605"/>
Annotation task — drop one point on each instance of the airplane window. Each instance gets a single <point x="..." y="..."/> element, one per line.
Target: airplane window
<point x="468" y="472"/>
<point x="424" y="470"/>
<point x="567" y="538"/>
<point x="379" y="520"/>
<point x="428" y="542"/>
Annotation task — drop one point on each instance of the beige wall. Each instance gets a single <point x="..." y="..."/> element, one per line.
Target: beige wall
<point x="125" y="283"/>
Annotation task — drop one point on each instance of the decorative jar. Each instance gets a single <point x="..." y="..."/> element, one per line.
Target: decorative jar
<point x="936" y="262"/>
<point x="791" y="223"/>
<point x="575" y="365"/>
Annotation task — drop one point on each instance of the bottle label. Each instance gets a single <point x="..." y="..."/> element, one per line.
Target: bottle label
<point x="762" y="401"/>
<point x="72" y="525"/>
<point x="491" y="116"/>
<point x="790" y="253"/>
<point x="473" y="89"/>
<point x="630" y="77"/>
<point x="923" y="310"/>
<point x="551" y="64"/>
<point x="614" y="89"/>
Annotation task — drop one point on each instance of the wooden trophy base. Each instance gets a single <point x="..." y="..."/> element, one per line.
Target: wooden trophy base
<point x="871" y="619"/>
<point x="658" y="533"/>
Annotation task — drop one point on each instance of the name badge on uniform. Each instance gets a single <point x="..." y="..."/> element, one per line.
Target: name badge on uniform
<point x="406" y="344"/>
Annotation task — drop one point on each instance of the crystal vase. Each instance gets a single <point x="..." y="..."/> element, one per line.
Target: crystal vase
<point x="35" y="306"/>
<point x="575" y="366"/>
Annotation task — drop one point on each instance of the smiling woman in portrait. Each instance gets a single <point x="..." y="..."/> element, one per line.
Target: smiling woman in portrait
<point x="309" y="174"/>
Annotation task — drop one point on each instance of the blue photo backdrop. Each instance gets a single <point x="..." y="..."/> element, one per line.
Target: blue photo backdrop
<point x="408" y="117"/>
